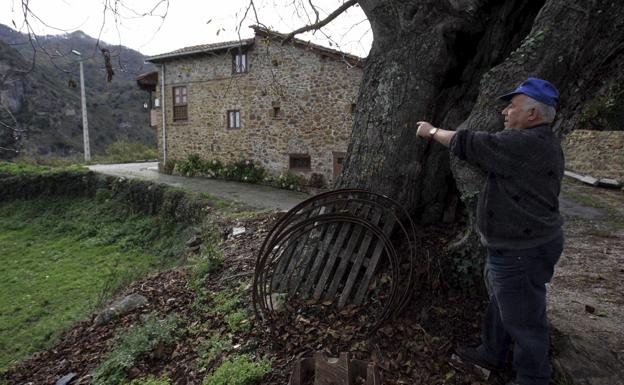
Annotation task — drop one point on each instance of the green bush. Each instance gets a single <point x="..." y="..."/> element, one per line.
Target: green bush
<point x="606" y="112"/>
<point x="245" y="171"/>
<point x="242" y="171"/>
<point x="211" y="349"/>
<point x="150" y="381"/>
<point x="224" y="302"/>
<point x="288" y="181"/>
<point x="240" y="370"/>
<point x="238" y="321"/>
<point x="191" y="166"/>
<point x="132" y="345"/>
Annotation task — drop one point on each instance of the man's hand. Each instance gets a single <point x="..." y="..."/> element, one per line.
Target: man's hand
<point x="423" y="129"/>
<point x="441" y="136"/>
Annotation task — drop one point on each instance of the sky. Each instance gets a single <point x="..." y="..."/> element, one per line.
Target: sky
<point x="187" y="22"/>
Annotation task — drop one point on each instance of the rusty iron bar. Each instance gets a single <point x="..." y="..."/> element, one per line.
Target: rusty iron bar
<point x="332" y="209"/>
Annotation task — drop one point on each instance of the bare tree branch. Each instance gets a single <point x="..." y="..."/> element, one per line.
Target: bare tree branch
<point x="316" y="12"/>
<point x="320" y="24"/>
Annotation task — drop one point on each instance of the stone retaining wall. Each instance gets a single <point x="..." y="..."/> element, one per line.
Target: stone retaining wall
<point x="139" y="196"/>
<point x="596" y="153"/>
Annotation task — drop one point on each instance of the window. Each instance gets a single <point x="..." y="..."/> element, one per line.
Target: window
<point x="233" y="119"/>
<point x="276" y="113"/>
<point x="239" y="62"/>
<point x="299" y="161"/>
<point x="352" y="108"/>
<point x="180" y="107"/>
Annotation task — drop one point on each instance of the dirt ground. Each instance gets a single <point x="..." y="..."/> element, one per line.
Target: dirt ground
<point x="586" y="297"/>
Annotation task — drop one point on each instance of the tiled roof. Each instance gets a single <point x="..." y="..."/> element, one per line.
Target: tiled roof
<point x="259" y="31"/>
<point x="196" y="49"/>
<point x="354" y="60"/>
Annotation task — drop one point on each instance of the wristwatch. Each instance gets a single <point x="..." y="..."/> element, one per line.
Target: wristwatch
<point x="433" y="131"/>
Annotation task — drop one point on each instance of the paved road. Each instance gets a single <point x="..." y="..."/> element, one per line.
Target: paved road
<point x="263" y="197"/>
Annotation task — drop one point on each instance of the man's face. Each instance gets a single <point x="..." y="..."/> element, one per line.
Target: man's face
<point x="515" y="116"/>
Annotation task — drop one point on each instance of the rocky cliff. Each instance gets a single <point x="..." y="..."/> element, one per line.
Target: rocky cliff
<point x="40" y="103"/>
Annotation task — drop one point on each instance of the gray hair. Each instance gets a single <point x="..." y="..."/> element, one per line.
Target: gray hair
<point x="544" y="110"/>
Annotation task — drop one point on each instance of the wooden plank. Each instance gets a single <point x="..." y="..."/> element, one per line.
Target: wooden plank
<point x="343" y="259"/>
<point x="333" y="255"/>
<point x="352" y="256"/>
<point x="292" y="263"/>
<point x="583" y="178"/>
<point x="303" y="371"/>
<point x="331" y="371"/>
<point x="282" y="265"/>
<point x="358" y="263"/>
<point x="372" y="263"/>
<point x="285" y="259"/>
<point x="307" y="255"/>
<point x="321" y="257"/>
<point x="311" y="256"/>
<point x="609" y="183"/>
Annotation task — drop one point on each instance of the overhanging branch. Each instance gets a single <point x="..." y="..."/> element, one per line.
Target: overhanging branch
<point x="321" y="23"/>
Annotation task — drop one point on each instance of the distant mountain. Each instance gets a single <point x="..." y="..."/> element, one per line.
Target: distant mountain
<point x="45" y="98"/>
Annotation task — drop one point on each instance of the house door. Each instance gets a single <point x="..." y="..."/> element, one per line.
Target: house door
<point x="338" y="161"/>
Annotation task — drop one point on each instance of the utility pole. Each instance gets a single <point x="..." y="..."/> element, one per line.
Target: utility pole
<point x="85" y="124"/>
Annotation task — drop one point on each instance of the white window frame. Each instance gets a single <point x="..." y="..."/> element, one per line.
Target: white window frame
<point x="233" y="119"/>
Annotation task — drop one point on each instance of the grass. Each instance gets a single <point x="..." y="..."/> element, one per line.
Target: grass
<point x="585" y="199"/>
<point x="124" y="151"/>
<point x="239" y="370"/>
<point x="60" y="258"/>
<point x="32" y="167"/>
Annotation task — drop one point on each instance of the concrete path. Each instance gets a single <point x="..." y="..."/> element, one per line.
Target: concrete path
<point x="262" y="197"/>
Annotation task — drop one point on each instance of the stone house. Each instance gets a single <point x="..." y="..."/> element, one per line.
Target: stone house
<point x="287" y="106"/>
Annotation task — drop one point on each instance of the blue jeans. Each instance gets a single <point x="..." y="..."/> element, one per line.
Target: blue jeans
<point x="516" y="313"/>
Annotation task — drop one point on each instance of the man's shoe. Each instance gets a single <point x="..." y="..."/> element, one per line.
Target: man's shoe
<point x="476" y="356"/>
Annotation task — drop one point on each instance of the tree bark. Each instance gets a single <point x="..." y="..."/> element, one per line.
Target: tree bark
<point x="425" y="64"/>
<point x="447" y="62"/>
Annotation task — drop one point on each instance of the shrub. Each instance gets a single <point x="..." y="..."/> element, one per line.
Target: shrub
<point x="224" y="302"/>
<point x="150" y="381"/>
<point x="211" y="349"/>
<point x="605" y="112"/>
<point x="191" y="166"/>
<point x="288" y="181"/>
<point x="242" y="171"/>
<point x="131" y="345"/>
<point x="245" y="171"/>
<point x="240" y="370"/>
<point x="238" y="321"/>
<point x="168" y="167"/>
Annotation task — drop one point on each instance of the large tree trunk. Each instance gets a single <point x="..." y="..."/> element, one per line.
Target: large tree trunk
<point x="446" y="62"/>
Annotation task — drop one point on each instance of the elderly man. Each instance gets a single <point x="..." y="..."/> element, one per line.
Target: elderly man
<point x="519" y="224"/>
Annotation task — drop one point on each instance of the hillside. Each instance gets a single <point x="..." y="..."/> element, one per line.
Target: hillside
<point x="48" y="109"/>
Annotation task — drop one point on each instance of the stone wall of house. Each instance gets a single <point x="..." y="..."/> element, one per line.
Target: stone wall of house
<point x="314" y="94"/>
<point x="596" y="153"/>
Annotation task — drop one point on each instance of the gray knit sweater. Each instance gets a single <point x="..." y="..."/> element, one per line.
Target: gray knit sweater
<point x="518" y="206"/>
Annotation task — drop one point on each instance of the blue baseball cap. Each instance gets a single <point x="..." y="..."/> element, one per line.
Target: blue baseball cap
<point x="538" y="89"/>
